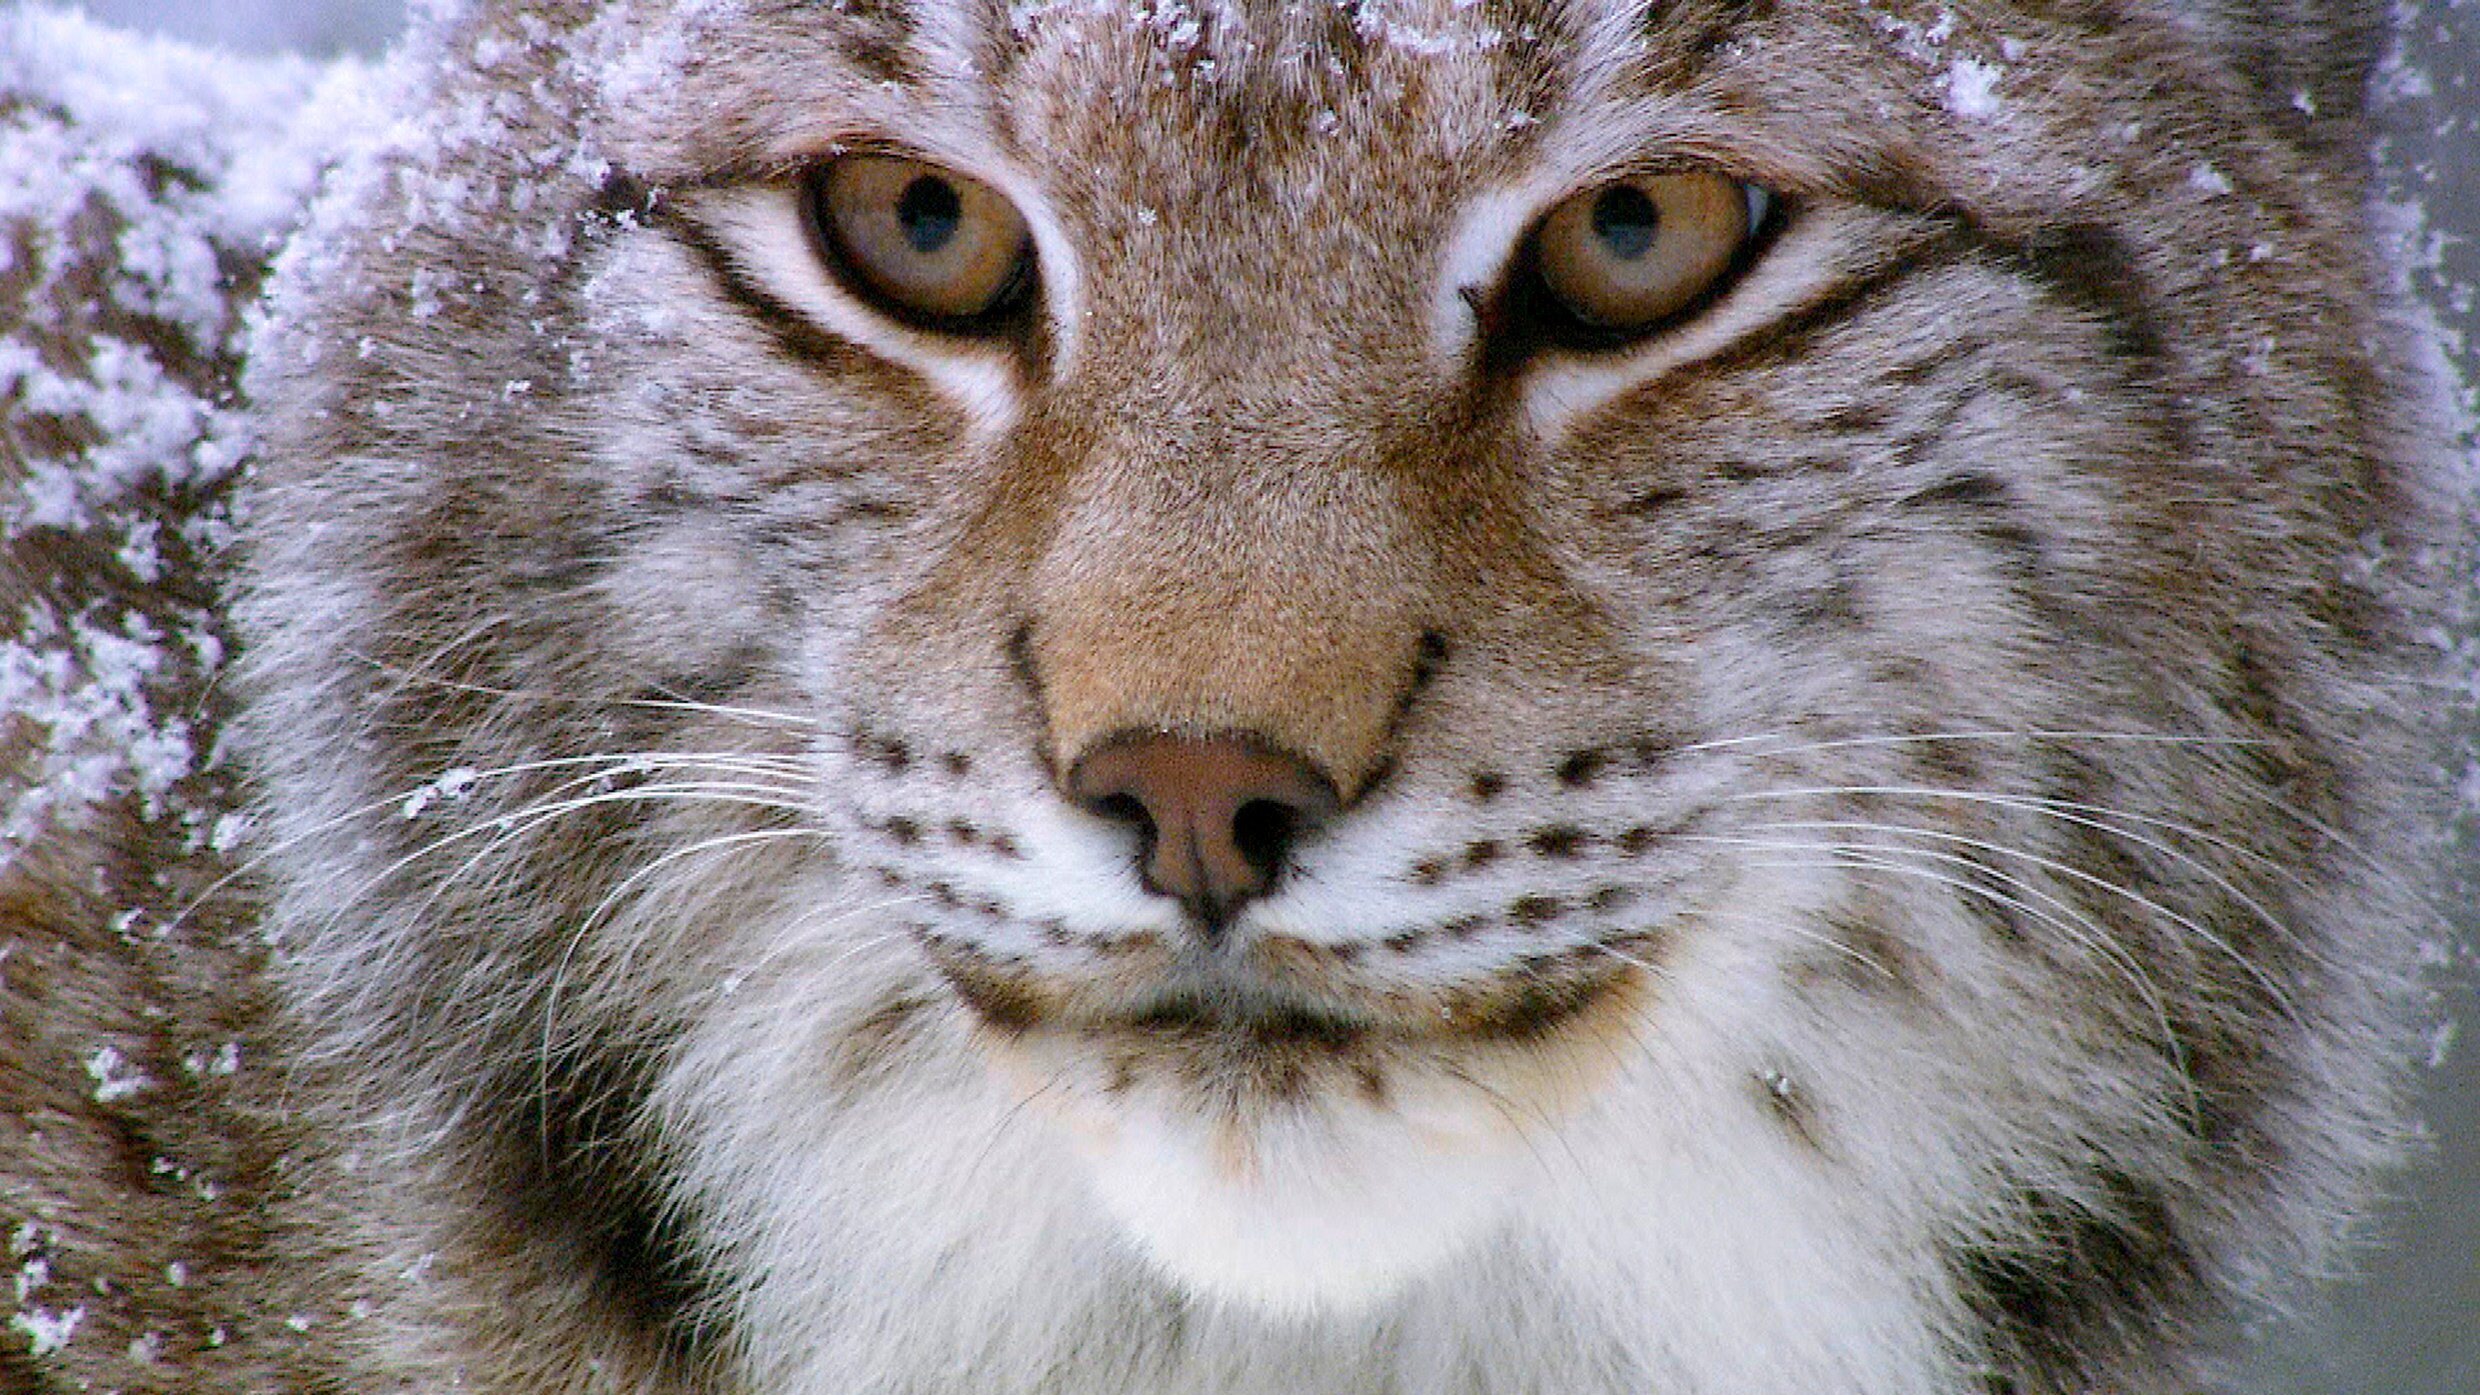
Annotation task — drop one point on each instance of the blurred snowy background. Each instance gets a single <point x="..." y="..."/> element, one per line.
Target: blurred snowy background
<point x="323" y="27"/>
<point x="2409" y="1324"/>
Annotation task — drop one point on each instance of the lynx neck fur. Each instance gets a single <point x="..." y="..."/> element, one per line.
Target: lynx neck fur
<point x="1442" y="697"/>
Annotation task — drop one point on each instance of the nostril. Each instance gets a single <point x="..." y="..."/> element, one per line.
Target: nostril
<point x="1122" y="808"/>
<point x="1263" y="830"/>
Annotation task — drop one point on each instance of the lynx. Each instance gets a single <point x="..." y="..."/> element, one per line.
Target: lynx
<point x="1188" y="696"/>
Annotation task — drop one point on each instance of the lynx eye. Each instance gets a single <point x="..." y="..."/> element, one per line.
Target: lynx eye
<point x="1630" y="254"/>
<point x="923" y="241"/>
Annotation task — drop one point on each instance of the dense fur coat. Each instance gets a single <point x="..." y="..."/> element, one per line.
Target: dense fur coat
<point x="1851" y="837"/>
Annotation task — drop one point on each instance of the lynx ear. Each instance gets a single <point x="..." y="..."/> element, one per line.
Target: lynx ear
<point x="2309" y="58"/>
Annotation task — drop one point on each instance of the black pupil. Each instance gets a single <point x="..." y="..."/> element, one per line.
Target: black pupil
<point x="1625" y="220"/>
<point x="929" y="213"/>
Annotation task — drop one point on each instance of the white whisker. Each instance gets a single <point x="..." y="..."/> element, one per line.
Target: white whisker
<point x="594" y="919"/>
<point x="673" y="703"/>
<point x="2097" y="818"/>
<point x="2273" y="990"/>
<point x="1782" y="744"/>
<point x="508" y="826"/>
<point x="2059" y="916"/>
<point x="606" y="767"/>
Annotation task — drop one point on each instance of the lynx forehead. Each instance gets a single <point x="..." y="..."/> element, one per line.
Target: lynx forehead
<point x="1368" y="697"/>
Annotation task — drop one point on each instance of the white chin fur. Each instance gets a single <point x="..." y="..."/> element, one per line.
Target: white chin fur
<point x="1331" y="1209"/>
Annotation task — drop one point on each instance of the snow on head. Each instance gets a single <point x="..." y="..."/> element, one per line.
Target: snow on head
<point x="1972" y="89"/>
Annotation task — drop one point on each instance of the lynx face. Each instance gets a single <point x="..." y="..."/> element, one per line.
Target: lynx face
<point x="1497" y="696"/>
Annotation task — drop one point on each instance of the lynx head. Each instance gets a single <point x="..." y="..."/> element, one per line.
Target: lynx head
<point x="1573" y="695"/>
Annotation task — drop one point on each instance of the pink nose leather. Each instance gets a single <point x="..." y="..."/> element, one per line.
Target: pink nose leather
<point x="1219" y="815"/>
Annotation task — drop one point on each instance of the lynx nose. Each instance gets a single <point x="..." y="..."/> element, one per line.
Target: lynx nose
<point x="1218" y="815"/>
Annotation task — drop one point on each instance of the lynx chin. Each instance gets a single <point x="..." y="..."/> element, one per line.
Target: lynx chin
<point x="1204" y="697"/>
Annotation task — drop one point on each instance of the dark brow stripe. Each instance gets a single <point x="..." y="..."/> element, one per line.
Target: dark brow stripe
<point x="2093" y="269"/>
<point x="1984" y="505"/>
<point x="2083" y="266"/>
<point x="1795" y="335"/>
<point x="1695" y="30"/>
<point x="798" y="335"/>
<point x="876" y="36"/>
<point x="2096" y="271"/>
